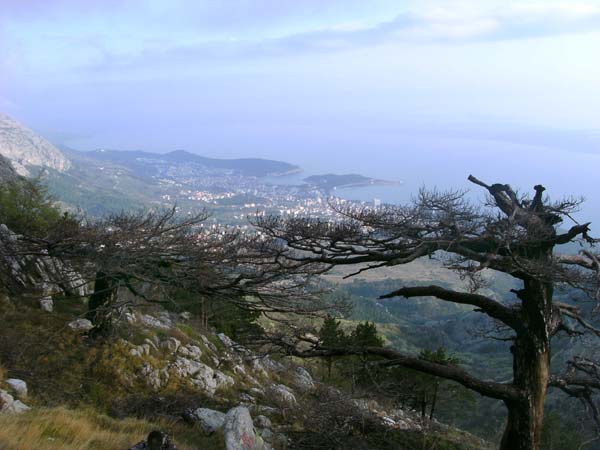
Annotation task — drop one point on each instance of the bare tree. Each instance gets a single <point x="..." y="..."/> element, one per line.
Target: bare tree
<point x="512" y="234"/>
<point x="154" y="254"/>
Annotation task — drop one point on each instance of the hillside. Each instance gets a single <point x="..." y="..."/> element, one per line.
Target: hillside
<point x="26" y="149"/>
<point x="147" y="164"/>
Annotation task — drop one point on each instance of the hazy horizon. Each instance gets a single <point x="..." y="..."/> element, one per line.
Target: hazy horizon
<point x="421" y="91"/>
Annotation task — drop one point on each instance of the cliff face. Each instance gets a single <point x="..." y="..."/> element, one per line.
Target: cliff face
<point x="25" y="148"/>
<point x="7" y="173"/>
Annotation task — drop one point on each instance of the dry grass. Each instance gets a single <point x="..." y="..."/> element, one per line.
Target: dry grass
<point x="63" y="429"/>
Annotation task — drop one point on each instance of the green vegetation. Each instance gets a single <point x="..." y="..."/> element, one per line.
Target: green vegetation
<point x="84" y="429"/>
<point x="26" y="208"/>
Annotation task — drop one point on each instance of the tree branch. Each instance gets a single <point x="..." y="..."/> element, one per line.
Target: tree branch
<point x="492" y="389"/>
<point x="491" y="307"/>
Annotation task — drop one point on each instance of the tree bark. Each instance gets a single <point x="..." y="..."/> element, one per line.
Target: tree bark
<point x="531" y="367"/>
<point x="100" y="303"/>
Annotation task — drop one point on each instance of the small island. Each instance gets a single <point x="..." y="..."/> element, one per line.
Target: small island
<point x="330" y="181"/>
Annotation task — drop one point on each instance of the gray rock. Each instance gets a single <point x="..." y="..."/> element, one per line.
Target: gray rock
<point x="171" y="344"/>
<point x="190" y="351"/>
<point x="263" y="422"/>
<point x="154" y="377"/>
<point x="223" y="380"/>
<point x="266" y="434"/>
<point x="81" y="325"/>
<point x="283" y="394"/>
<point x="247" y="398"/>
<point x="19" y="387"/>
<point x="130" y="318"/>
<point x="47" y="304"/>
<point x="209" y="419"/>
<point x="140" y="350"/>
<point x="9" y="405"/>
<point x="303" y="379"/>
<point x="201" y="375"/>
<point x="153" y="322"/>
<point x="227" y="342"/>
<point x="239" y="431"/>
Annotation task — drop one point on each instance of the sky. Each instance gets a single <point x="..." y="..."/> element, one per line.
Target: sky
<point x="425" y="91"/>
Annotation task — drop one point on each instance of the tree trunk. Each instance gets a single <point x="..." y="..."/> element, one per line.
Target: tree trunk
<point x="436" y="386"/>
<point x="531" y="368"/>
<point x="100" y="302"/>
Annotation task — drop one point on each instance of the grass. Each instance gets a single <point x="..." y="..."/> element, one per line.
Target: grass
<point x="64" y="429"/>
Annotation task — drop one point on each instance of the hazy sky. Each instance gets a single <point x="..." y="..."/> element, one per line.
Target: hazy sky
<point x="447" y="83"/>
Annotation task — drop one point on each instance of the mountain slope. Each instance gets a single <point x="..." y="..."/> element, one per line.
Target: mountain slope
<point x="150" y="164"/>
<point x="25" y="148"/>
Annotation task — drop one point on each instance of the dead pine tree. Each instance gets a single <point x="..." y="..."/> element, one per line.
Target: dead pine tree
<point x="513" y="234"/>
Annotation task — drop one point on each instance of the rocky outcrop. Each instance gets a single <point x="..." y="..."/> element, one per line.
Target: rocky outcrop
<point x="24" y="148"/>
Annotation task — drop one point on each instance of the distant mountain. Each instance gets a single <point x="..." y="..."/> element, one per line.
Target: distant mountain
<point x="25" y="149"/>
<point x="152" y="164"/>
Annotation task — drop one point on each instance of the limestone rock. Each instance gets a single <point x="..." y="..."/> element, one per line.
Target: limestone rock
<point x="223" y="380"/>
<point x="19" y="387"/>
<point x="263" y="422"/>
<point x="240" y="433"/>
<point x="81" y="325"/>
<point x="25" y="148"/>
<point x="190" y="351"/>
<point x="227" y="342"/>
<point x="9" y="405"/>
<point x="47" y="304"/>
<point x="154" y="322"/>
<point x="209" y="419"/>
<point x="171" y="344"/>
<point x="283" y="394"/>
<point x="303" y="379"/>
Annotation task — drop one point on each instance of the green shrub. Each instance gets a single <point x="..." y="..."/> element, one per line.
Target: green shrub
<point x="26" y="208"/>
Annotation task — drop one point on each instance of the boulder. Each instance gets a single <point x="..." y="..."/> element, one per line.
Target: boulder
<point x="19" y="387"/>
<point x="9" y="405"/>
<point x="47" y="304"/>
<point x="263" y="422"/>
<point x="283" y="394"/>
<point x="81" y="325"/>
<point x="239" y="431"/>
<point x="171" y="345"/>
<point x="303" y="379"/>
<point x="209" y="419"/>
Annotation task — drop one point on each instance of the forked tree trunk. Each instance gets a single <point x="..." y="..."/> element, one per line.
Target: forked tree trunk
<point x="531" y="367"/>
